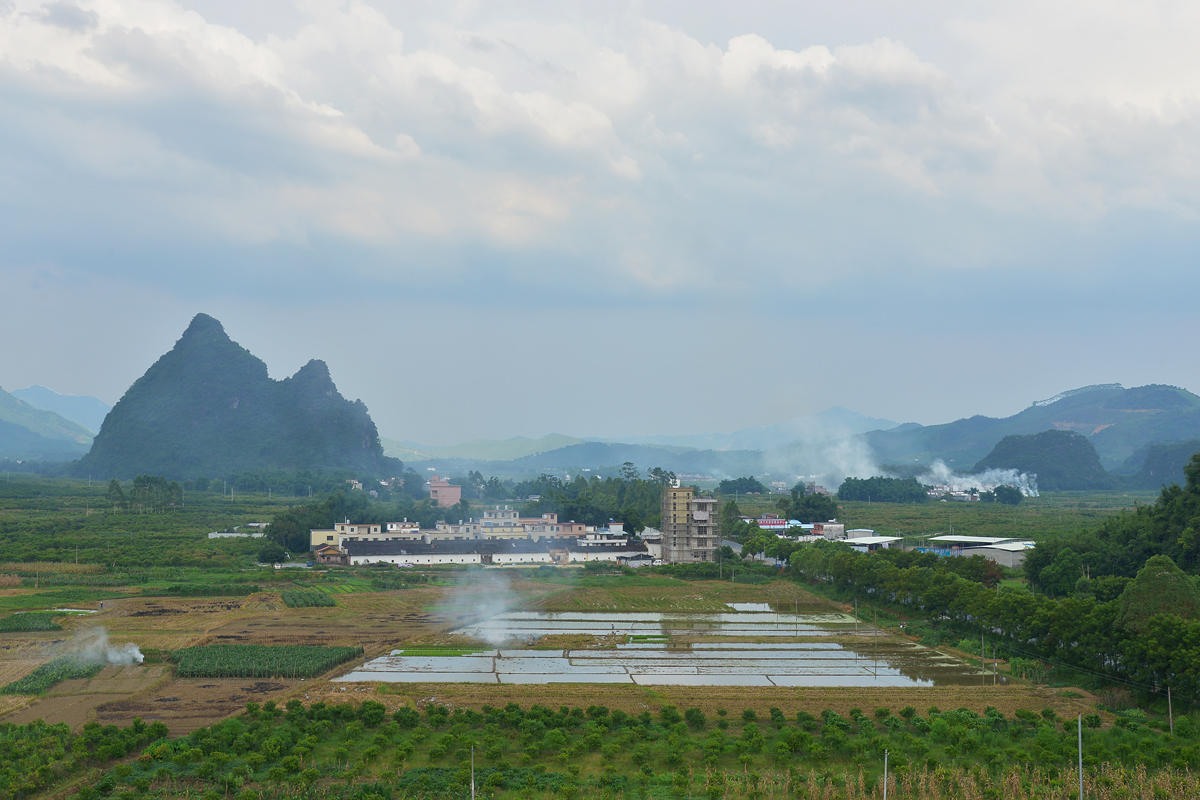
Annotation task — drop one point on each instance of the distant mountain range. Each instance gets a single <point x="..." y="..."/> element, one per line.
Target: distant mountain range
<point x="1116" y="420"/>
<point x="208" y="407"/>
<point x="28" y="432"/>
<point x="479" y="449"/>
<point x="832" y="423"/>
<point x="86" y="411"/>
<point x="1139" y="437"/>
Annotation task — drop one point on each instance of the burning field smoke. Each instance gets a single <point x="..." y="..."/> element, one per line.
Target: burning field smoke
<point x="941" y="475"/>
<point x="488" y="594"/>
<point x="93" y="645"/>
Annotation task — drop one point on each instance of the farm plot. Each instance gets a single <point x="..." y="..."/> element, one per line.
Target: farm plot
<point x="29" y="621"/>
<point x="60" y="669"/>
<point x="72" y="700"/>
<point x="186" y="704"/>
<point x="304" y="598"/>
<point x="259" y="661"/>
<point x="669" y="594"/>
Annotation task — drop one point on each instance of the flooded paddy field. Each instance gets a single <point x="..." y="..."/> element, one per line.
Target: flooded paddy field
<point x="653" y="648"/>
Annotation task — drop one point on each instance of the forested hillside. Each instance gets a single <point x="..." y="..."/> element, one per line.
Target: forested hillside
<point x="208" y="407"/>
<point x="1062" y="460"/>
<point x="1124" y="543"/>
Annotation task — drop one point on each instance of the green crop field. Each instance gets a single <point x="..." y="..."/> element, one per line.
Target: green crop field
<point x="60" y="669"/>
<point x="303" y="598"/>
<point x="29" y="621"/>
<point x="260" y="661"/>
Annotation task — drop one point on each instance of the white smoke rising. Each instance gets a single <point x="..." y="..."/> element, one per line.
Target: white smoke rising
<point x="940" y="475"/>
<point x="489" y="594"/>
<point x="94" y="646"/>
<point x="832" y="461"/>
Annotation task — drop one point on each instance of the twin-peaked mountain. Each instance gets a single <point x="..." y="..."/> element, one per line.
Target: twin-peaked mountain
<point x="208" y="407"/>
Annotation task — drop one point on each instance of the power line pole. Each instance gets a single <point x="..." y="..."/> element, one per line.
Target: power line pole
<point x="1081" y="757"/>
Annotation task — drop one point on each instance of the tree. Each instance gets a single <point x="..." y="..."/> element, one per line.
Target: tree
<point x="632" y="520"/>
<point x="1009" y="495"/>
<point x="629" y="472"/>
<point x="661" y="477"/>
<point x="1159" y="588"/>
<point x="115" y="494"/>
<point x="746" y="485"/>
<point x="414" y="485"/>
<point x="271" y="553"/>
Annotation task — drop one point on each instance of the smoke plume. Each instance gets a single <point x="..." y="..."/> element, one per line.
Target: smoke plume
<point x="827" y="463"/>
<point x="94" y="646"/>
<point x="941" y="475"/>
<point x="489" y="594"/>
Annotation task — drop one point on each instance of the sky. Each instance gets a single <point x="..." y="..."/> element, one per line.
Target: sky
<point x="607" y="219"/>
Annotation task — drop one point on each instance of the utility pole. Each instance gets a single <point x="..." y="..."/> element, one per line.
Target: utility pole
<point x="885" y="771"/>
<point x="1081" y="757"/>
<point x="472" y="772"/>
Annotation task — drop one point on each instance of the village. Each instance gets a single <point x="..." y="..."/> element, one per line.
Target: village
<point x="502" y="537"/>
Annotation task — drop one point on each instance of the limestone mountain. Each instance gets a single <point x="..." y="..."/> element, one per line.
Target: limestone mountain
<point x="208" y="407"/>
<point x="1063" y="460"/>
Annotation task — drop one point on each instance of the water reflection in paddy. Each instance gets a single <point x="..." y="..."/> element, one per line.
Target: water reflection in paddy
<point x="865" y="662"/>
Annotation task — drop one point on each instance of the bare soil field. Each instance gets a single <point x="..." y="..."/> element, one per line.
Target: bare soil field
<point x="72" y="701"/>
<point x="186" y="704"/>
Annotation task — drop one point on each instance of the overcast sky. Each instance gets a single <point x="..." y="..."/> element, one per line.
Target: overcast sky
<point x="607" y="219"/>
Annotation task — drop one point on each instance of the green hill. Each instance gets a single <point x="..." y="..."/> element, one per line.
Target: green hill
<point x="1062" y="460"/>
<point x="1159" y="464"/>
<point x="208" y="407"/>
<point x="27" y="432"/>
<point x="88" y="412"/>
<point x="43" y="423"/>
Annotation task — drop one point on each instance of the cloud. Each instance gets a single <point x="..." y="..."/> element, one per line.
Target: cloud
<point x="796" y="163"/>
<point x="565" y="139"/>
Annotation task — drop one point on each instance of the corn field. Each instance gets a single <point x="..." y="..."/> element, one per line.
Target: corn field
<point x="259" y="661"/>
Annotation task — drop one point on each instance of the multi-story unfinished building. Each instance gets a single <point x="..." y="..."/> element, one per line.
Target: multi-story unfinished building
<point x="691" y="527"/>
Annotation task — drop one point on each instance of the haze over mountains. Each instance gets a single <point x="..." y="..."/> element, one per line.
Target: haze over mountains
<point x="208" y="407"/>
<point x="86" y="411"/>
<point x="1119" y="430"/>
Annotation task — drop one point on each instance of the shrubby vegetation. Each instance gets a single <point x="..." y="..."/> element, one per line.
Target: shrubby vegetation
<point x="37" y="756"/>
<point x="344" y="751"/>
